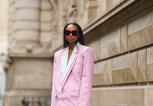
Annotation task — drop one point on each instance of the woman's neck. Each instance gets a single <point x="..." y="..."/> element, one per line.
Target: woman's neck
<point x="71" y="46"/>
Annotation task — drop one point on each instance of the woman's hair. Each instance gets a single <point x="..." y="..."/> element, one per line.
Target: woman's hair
<point x="80" y="37"/>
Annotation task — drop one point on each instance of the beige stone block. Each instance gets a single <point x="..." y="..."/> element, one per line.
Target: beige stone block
<point x="124" y="33"/>
<point x="27" y="14"/>
<point x="150" y="63"/>
<point x="45" y="39"/>
<point x="139" y="39"/>
<point x="12" y="17"/>
<point x="32" y="70"/>
<point x="140" y="23"/>
<point x="151" y="15"/>
<point x="26" y="35"/>
<point x="136" y="97"/>
<point x="142" y="66"/>
<point x="115" y="2"/>
<point x="109" y="4"/>
<point x="11" y="2"/>
<point x="102" y="73"/>
<point x="120" y="96"/>
<point x="46" y="5"/>
<point x="96" y="48"/>
<point x="149" y="55"/>
<point x="139" y="29"/>
<point x="150" y="93"/>
<point x="27" y="4"/>
<point x="11" y="9"/>
<point x="85" y="18"/>
<point x="92" y="13"/>
<point x="46" y="26"/>
<point x="101" y="98"/>
<point x="46" y="16"/>
<point x="56" y="43"/>
<point x="110" y="44"/>
<point x="24" y="25"/>
<point x="124" y="69"/>
<point x="91" y="7"/>
<point x="91" y="3"/>
<point x="102" y="7"/>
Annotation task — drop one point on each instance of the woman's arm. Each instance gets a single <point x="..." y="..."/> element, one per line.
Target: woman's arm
<point x="86" y="82"/>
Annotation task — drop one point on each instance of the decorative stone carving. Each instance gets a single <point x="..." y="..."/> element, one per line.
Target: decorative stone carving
<point x="6" y="66"/>
<point x="29" y="48"/>
<point x="70" y="12"/>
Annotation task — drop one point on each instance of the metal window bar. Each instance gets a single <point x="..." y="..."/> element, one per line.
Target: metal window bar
<point x="36" y="101"/>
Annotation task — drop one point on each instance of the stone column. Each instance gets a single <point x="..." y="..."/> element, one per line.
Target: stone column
<point x="24" y="24"/>
<point x="48" y="26"/>
<point x="46" y="23"/>
<point x="28" y="69"/>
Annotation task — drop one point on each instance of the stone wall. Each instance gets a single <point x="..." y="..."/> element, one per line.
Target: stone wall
<point x="119" y="31"/>
<point x="123" y="62"/>
<point x="121" y="34"/>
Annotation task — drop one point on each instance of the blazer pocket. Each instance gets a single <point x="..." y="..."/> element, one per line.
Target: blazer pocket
<point x="74" y="93"/>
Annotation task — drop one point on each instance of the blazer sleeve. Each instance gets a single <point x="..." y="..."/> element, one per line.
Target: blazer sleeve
<point x="86" y="82"/>
<point x="53" y="95"/>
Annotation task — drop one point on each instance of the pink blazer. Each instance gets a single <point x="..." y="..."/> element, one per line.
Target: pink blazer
<point x="76" y="88"/>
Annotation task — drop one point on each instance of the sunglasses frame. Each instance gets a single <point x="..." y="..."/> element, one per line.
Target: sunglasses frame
<point x="74" y="32"/>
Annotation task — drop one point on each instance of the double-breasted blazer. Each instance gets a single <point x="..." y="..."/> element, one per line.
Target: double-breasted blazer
<point x="74" y="88"/>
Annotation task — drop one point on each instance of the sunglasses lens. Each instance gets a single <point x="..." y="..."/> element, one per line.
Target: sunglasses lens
<point x="74" y="33"/>
<point x="66" y="32"/>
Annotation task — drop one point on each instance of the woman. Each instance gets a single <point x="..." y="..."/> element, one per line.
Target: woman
<point x="73" y="70"/>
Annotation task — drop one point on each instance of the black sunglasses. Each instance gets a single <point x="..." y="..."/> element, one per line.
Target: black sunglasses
<point x="74" y="33"/>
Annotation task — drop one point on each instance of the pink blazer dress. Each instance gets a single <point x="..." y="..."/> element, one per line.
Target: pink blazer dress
<point x="72" y="81"/>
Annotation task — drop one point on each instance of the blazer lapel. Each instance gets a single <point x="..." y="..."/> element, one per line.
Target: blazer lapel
<point x="63" y="64"/>
<point x="71" y="65"/>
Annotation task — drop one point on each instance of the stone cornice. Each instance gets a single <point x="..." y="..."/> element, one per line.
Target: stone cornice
<point x="125" y="12"/>
<point x="30" y="55"/>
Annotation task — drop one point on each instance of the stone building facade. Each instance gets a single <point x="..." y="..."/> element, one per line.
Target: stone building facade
<point x="119" y="31"/>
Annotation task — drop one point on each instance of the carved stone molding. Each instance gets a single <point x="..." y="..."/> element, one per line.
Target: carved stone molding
<point x="117" y="17"/>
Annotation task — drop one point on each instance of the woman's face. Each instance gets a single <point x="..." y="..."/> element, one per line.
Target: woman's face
<point x="71" y="34"/>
